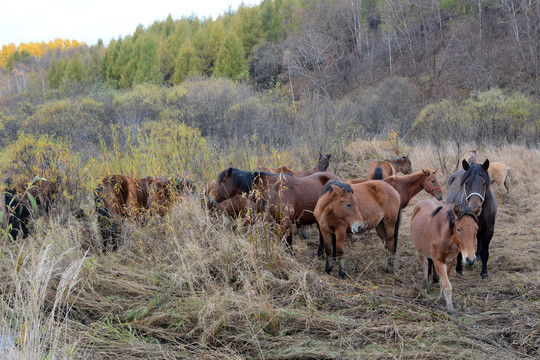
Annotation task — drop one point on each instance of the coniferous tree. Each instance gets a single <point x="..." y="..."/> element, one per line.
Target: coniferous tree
<point x="148" y="69"/>
<point x="230" y="60"/>
<point x="187" y="63"/>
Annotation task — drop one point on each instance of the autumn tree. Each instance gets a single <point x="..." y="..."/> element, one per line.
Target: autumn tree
<point x="230" y="60"/>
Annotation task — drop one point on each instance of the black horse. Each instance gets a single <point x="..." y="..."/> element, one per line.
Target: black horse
<point x="17" y="212"/>
<point x="471" y="186"/>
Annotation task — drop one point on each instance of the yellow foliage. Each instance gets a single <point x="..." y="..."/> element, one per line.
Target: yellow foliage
<point x="36" y="49"/>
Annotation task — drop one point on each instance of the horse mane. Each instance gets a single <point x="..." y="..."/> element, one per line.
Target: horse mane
<point x="329" y="189"/>
<point x="451" y="217"/>
<point x="244" y="179"/>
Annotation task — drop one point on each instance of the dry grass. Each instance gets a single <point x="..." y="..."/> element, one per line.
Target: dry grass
<point x="196" y="286"/>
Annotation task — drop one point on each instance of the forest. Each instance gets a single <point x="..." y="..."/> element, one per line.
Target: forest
<point x="259" y="87"/>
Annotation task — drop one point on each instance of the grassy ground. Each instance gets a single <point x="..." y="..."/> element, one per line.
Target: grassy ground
<point x="196" y="286"/>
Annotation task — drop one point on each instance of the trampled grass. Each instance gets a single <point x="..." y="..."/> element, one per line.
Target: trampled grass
<point x="196" y="285"/>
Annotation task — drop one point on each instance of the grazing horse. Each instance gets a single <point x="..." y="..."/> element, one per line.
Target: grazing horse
<point x="236" y="206"/>
<point x="163" y="192"/>
<point x="380" y="207"/>
<point x="322" y="166"/>
<point x="471" y="186"/>
<point x="118" y="196"/>
<point x="384" y="168"/>
<point x="20" y="196"/>
<point x="287" y="198"/>
<point x="409" y="185"/>
<point x="337" y="214"/>
<point x="439" y="232"/>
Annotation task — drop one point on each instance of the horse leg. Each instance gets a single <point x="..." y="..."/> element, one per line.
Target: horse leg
<point x="328" y="239"/>
<point x="459" y="263"/>
<point x="425" y="270"/>
<point x="435" y="273"/>
<point x="446" y="287"/>
<point x="339" y="247"/>
<point x="484" y="238"/>
<point x="386" y="231"/>
<point x="320" y="250"/>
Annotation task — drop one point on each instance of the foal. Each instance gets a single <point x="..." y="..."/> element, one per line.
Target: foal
<point x="439" y="232"/>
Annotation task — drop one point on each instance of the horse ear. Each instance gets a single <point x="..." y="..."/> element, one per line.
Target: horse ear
<point x="229" y="171"/>
<point x="426" y="172"/>
<point x="435" y="171"/>
<point x="339" y="191"/>
<point x="477" y="210"/>
<point x="485" y="165"/>
<point x="328" y="156"/>
<point x="465" y="165"/>
<point x="320" y="154"/>
<point x="457" y="211"/>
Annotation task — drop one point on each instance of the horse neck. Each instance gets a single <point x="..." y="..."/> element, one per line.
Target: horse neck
<point x="409" y="186"/>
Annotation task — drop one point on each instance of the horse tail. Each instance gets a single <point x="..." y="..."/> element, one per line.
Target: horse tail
<point x="396" y="229"/>
<point x="507" y="180"/>
<point x="378" y="173"/>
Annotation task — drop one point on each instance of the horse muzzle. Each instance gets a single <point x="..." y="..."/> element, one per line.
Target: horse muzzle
<point x="357" y="228"/>
<point x="439" y="196"/>
<point x="469" y="261"/>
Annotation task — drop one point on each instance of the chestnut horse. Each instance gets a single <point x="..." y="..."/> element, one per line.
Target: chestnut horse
<point x="337" y="214"/>
<point x="380" y="207"/>
<point x="322" y="166"/>
<point x="439" y="232"/>
<point x="472" y="186"/>
<point x="287" y="198"/>
<point x="409" y="186"/>
<point x="21" y="196"/>
<point x="382" y="169"/>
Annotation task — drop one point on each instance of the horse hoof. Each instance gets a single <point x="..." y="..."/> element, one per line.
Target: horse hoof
<point x="342" y="275"/>
<point x="459" y="273"/>
<point x="484" y="276"/>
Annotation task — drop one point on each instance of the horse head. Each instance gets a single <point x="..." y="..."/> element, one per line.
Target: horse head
<point x="464" y="224"/>
<point x="343" y="205"/>
<point x="323" y="162"/>
<point x="431" y="185"/>
<point x="475" y="183"/>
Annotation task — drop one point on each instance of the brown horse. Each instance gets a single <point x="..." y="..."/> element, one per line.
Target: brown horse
<point x="118" y="196"/>
<point x="409" y="185"/>
<point x="288" y="199"/>
<point x="382" y="169"/>
<point x="23" y="194"/>
<point x="236" y="206"/>
<point x="439" y="232"/>
<point x="322" y="166"/>
<point x="380" y="207"/>
<point x="163" y="192"/>
<point x="337" y="214"/>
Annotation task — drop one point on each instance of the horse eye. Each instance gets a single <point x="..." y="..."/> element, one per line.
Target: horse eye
<point x="458" y="230"/>
<point x="348" y="205"/>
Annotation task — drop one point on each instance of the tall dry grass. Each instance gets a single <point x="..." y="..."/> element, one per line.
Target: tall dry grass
<point x="197" y="285"/>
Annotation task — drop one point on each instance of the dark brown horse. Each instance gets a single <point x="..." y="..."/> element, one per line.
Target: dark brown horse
<point x="337" y="214"/>
<point x="439" y="232"/>
<point x="288" y="199"/>
<point x="380" y="207"/>
<point x="409" y="186"/>
<point x="471" y="186"/>
<point x="322" y="166"/>
<point x="236" y="206"/>
<point x="23" y="194"/>
<point x="382" y="169"/>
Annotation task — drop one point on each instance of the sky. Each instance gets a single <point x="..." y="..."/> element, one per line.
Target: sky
<point x="87" y="21"/>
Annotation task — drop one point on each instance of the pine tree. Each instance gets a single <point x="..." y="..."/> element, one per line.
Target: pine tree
<point x="187" y="63"/>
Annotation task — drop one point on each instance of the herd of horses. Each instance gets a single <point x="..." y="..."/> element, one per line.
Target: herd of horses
<point x="443" y="234"/>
